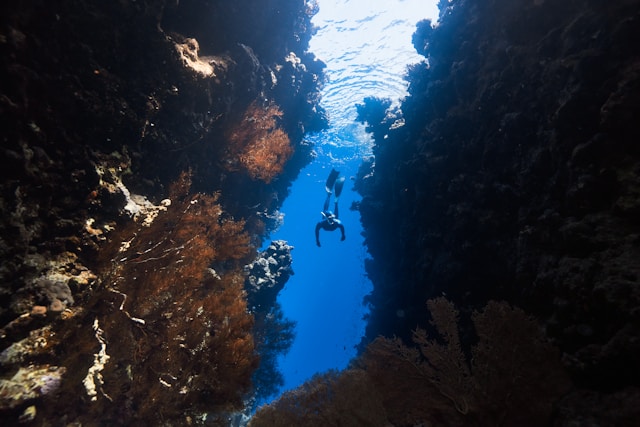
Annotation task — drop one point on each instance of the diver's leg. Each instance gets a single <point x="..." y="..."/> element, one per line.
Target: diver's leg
<point x="326" y="203"/>
<point x="335" y="209"/>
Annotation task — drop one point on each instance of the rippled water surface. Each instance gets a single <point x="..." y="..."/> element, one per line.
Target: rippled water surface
<point x="366" y="45"/>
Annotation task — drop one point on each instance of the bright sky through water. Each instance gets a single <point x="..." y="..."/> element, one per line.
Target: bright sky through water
<point x="366" y="45"/>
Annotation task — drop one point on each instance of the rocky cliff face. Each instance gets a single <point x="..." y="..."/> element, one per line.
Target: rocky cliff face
<point x="147" y="147"/>
<point x="516" y="176"/>
<point x="268" y="273"/>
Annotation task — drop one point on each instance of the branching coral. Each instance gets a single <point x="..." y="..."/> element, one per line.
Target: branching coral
<point x="202" y="315"/>
<point x="445" y="365"/>
<point x="511" y="376"/>
<point x="173" y="312"/>
<point x="258" y="144"/>
<point x="332" y="399"/>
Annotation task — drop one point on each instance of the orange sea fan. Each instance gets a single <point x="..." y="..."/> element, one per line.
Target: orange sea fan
<point x="174" y="312"/>
<point x="258" y="145"/>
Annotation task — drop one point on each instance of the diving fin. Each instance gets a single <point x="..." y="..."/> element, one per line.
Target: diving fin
<point x="331" y="180"/>
<point x="339" y="185"/>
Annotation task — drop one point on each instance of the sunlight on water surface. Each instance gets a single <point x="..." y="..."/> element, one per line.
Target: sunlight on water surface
<point x="367" y="46"/>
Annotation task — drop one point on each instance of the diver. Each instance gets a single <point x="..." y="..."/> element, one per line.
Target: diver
<point x="330" y="221"/>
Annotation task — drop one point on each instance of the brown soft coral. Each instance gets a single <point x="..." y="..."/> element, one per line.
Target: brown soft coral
<point x="257" y="143"/>
<point x="173" y="315"/>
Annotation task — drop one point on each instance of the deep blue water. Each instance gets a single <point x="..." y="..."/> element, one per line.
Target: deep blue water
<point x="366" y="45"/>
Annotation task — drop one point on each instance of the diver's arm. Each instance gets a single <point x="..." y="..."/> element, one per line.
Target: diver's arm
<point x="342" y="231"/>
<point x="318" y="226"/>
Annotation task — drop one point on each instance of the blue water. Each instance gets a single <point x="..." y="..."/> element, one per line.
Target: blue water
<point x="366" y="45"/>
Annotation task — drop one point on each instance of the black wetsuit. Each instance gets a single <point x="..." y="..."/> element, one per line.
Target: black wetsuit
<point x="330" y="221"/>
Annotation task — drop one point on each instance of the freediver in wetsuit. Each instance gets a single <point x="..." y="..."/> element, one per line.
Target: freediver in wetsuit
<point x="330" y="221"/>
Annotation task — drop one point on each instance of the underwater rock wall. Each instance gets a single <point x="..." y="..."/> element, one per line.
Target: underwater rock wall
<point x="515" y="175"/>
<point x="147" y="147"/>
<point x="268" y="273"/>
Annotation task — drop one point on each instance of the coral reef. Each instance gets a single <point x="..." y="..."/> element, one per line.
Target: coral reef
<point x="114" y="268"/>
<point x="268" y="273"/>
<point x="274" y="334"/>
<point x="515" y="177"/>
<point x="512" y="377"/>
<point x="39" y="342"/>
<point x="170" y="336"/>
<point x="147" y="147"/>
<point x="258" y="145"/>
<point x="29" y="383"/>
<point x="333" y="398"/>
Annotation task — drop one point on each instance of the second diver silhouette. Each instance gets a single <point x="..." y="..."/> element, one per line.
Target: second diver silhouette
<point x="330" y="221"/>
